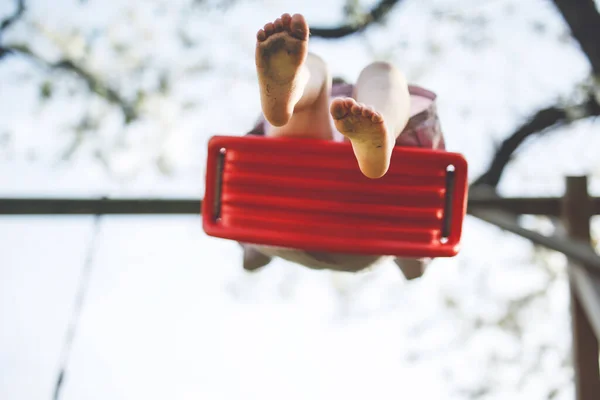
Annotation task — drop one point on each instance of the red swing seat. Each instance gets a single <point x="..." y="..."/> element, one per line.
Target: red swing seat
<point x="310" y="194"/>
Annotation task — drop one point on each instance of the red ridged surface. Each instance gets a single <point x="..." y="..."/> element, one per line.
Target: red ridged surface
<point x="309" y="194"/>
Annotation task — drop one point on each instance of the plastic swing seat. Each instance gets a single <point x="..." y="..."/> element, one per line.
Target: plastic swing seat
<point x="310" y="194"/>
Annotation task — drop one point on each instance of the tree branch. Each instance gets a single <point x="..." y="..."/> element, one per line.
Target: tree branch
<point x="583" y="19"/>
<point x="540" y="123"/>
<point x="377" y="13"/>
<point x="93" y="83"/>
<point x="7" y="22"/>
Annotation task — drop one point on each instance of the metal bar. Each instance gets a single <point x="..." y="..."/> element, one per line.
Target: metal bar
<point x="584" y="305"/>
<point x="550" y="206"/>
<point x="32" y="206"/>
<point x="64" y="206"/>
<point x="579" y="252"/>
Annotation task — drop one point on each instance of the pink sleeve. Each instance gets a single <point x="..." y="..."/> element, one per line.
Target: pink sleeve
<point x="423" y="128"/>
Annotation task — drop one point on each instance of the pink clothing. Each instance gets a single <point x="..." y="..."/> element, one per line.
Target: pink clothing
<point x="422" y="130"/>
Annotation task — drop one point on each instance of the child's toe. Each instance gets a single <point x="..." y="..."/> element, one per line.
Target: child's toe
<point x="338" y="109"/>
<point x="269" y="28"/>
<point x="278" y="25"/>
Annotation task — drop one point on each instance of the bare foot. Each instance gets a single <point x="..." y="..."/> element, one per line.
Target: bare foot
<point x="366" y="130"/>
<point x="281" y="50"/>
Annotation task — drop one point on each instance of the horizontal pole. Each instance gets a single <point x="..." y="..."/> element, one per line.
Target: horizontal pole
<point x="74" y="206"/>
<point x="64" y="206"/>
<point x="577" y="251"/>
<point x="551" y="206"/>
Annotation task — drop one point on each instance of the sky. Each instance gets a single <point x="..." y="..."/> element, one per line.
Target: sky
<point x="169" y="312"/>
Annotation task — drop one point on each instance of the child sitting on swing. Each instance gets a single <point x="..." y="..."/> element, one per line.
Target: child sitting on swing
<point x="299" y="99"/>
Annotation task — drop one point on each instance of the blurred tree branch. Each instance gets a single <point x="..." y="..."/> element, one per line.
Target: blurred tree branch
<point x="8" y="21"/>
<point x="93" y="83"/>
<point x="377" y="14"/>
<point x="541" y="122"/>
<point x="583" y="19"/>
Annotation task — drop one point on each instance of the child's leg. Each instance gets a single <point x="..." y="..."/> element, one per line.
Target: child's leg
<point x="294" y="85"/>
<point x="374" y="120"/>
